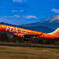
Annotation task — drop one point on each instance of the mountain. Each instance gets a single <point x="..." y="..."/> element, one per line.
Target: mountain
<point x="46" y="26"/>
<point x="39" y="28"/>
<point x="35" y="28"/>
<point x="51" y="22"/>
<point x="11" y="24"/>
<point x="54" y="19"/>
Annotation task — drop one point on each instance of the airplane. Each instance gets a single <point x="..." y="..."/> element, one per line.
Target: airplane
<point x="25" y="33"/>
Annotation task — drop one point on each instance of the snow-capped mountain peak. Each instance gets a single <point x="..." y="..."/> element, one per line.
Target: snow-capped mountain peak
<point x="56" y="18"/>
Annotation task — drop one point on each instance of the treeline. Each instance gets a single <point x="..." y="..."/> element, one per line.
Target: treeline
<point x="5" y="38"/>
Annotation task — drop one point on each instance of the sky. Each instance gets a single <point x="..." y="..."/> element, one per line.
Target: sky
<point x="27" y="11"/>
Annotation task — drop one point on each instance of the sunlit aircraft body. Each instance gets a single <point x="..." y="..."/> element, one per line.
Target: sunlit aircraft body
<point x="25" y="33"/>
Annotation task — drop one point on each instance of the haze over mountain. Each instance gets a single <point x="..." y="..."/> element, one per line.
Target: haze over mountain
<point x="46" y="26"/>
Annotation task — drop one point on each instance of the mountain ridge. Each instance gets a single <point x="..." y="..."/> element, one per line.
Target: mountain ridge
<point x="47" y="23"/>
<point x="35" y="28"/>
<point x="43" y="26"/>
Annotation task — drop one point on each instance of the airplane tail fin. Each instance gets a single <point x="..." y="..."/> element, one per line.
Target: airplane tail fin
<point x="56" y="32"/>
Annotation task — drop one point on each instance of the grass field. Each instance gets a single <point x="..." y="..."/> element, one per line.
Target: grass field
<point x="8" y="52"/>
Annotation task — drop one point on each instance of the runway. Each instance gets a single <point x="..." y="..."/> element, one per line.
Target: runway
<point x="29" y="45"/>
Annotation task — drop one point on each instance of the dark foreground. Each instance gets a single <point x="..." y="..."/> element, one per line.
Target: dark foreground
<point x="10" y="52"/>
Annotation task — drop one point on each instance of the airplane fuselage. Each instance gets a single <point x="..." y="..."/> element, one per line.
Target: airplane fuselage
<point x="20" y="32"/>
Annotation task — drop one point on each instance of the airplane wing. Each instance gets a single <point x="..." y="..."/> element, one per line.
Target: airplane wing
<point x="27" y="35"/>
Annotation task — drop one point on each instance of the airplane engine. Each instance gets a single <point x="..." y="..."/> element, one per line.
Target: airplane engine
<point x="19" y="35"/>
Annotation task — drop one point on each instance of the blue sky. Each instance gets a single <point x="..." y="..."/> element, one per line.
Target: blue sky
<point x="27" y="11"/>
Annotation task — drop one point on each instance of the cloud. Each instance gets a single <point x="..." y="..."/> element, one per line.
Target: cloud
<point x="55" y="10"/>
<point x="21" y="10"/>
<point x="30" y="16"/>
<point x="17" y="10"/>
<point x="14" y="10"/>
<point x="16" y="15"/>
<point x="24" y="17"/>
<point x="19" y="1"/>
